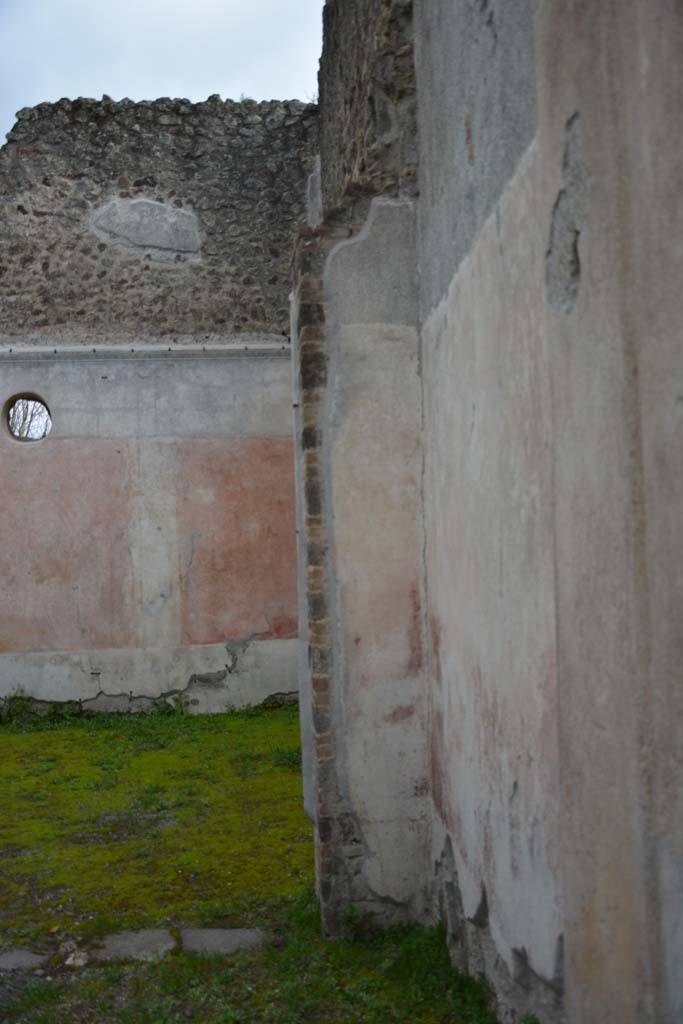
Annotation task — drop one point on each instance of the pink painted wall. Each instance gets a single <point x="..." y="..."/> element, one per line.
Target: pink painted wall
<point x="65" y="558"/>
<point x="236" y="540"/>
<point x="74" y="566"/>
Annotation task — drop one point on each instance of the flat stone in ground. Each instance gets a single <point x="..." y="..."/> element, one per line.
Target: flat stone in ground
<point x="150" y="944"/>
<point x="20" y="960"/>
<point x="221" y="940"/>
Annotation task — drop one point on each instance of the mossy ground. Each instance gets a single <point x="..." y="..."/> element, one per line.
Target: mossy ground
<point x="141" y="821"/>
<point x="119" y="821"/>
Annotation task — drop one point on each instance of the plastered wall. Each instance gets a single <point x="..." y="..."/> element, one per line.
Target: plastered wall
<point x="357" y="398"/>
<point x="544" y="711"/>
<point x="364" y="712"/>
<point x="549" y="353"/>
<point x="148" y="544"/>
<point x="489" y="529"/>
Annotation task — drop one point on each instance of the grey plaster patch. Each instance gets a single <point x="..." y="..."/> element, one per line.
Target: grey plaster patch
<point x="224" y="941"/>
<point x="20" y="960"/>
<point x="131" y="679"/>
<point x="373" y="277"/>
<point x="166" y="233"/>
<point x="477" y="115"/>
<point x="129" y="395"/>
<point x="150" y="944"/>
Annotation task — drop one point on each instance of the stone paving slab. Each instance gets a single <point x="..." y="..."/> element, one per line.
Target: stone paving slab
<point x="20" y="960"/>
<point x="221" y="940"/>
<point x="149" y="944"/>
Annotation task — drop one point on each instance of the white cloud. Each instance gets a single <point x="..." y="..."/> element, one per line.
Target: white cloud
<point x="149" y="48"/>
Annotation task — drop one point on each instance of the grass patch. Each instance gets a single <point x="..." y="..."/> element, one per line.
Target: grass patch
<point x="97" y="814"/>
<point x="121" y="821"/>
<point x="402" y="976"/>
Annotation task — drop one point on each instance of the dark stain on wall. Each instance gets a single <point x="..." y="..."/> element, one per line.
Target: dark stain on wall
<point x="563" y="262"/>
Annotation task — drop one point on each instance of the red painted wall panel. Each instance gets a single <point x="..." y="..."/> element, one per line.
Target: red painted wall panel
<point x="70" y="542"/>
<point x="236" y="539"/>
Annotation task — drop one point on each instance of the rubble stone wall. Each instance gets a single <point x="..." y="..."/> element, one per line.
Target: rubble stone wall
<point x="367" y="100"/>
<point x="154" y="219"/>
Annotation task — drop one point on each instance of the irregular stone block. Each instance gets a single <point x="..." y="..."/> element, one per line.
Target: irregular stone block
<point x="150" y="944"/>
<point x="20" y="960"/>
<point x="221" y="940"/>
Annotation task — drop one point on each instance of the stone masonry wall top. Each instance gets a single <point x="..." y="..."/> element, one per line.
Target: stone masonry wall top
<point x="367" y="100"/>
<point x="123" y="219"/>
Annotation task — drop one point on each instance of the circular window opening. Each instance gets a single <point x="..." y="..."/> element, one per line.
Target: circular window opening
<point x="28" y="418"/>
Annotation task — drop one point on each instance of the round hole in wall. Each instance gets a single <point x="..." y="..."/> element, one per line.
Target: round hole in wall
<point x="28" y="418"/>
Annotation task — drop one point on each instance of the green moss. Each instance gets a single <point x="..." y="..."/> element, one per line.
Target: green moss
<point x="133" y="821"/>
<point x="143" y="819"/>
<point x="402" y="976"/>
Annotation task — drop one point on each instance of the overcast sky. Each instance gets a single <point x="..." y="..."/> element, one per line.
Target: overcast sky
<point x="143" y="49"/>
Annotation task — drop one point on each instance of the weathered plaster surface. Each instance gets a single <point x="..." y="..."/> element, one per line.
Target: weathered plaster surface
<point x="210" y="677"/>
<point x="163" y="232"/>
<point x="153" y="527"/>
<point x="66" y="563"/>
<point x="490" y="566"/>
<point x="157" y="392"/>
<point x="551" y="362"/>
<point x="237" y="567"/>
<point x="488" y="500"/>
<point x="616" y="366"/>
<point x="363" y="557"/>
<point x="374" y="481"/>
<point x="477" y="116"/>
